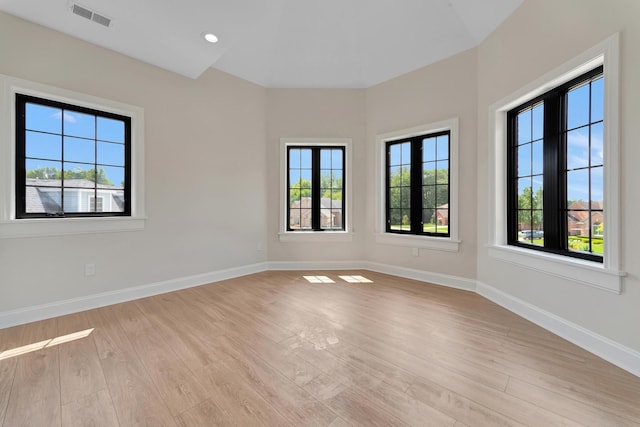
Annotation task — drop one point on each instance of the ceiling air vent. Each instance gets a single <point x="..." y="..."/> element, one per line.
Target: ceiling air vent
<point x="90" y="15"/>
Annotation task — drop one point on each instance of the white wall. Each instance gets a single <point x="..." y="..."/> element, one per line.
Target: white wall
<point x="205" y="173"/>
<point x="540" y="36"/>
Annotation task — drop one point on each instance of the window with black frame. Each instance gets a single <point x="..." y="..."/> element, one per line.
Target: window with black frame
<point x="315" y="188"/>
<point x="71" y="161"/>
<point x="555" y="168"/>
<point x="417" y="185"/>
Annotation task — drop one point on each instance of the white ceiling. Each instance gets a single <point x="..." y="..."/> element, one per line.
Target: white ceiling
<point x="280" y="43"/>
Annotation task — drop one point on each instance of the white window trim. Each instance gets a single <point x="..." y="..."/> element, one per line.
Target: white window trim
<point x="606" y="275"/>
<point x="451" y="243"/>
<point x="10" y="227"/>
<point x="345" y="235"/>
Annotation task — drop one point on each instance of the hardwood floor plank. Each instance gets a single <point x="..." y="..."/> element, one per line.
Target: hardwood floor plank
<point x="204" y="414"/>
<point x="35" y="394"/>
<point x="90" y="410"/>
<point x="80" y="369"/>
<point x="9" y="340"/>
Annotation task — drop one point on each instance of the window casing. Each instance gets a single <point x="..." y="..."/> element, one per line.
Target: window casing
<point x="315" y="188"/>
<point x="67" y="156"/>
<point x="417" y="185"/>
<point x="555" y="169"/>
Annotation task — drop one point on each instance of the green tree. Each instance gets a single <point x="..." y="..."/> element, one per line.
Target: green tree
<point x="331" y="187"/>
<point x="300" y="189"/>
<point x="48" y="172"/>
<point x="530" y="208"/>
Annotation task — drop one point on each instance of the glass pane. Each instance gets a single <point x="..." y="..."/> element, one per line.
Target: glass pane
<point x="336" y="159"/>
<point x="537" y="192"/>
<point x="79" y="150"/>
<point x="395" y="177"/>
<point x="442" y="220"/>
<point x="597" y="187"/>
<point x="578" y="148"/>
<point x="394" y="151"/>
<point x="43" y="199"/>
<point x="443" y="147"/>
<point x="405" y="197"/>
<point x="429" y="220"/>
<point x="537" y="225"/>
<point x="394" y="198"/>
<point x="429" y="173"/>
<point x="395" y="219"/>
<point x="429" y="149"/>
<point x="110" y="130"/>
<point x="305" y="159"/>
<point x="597" y="232"/>
<point x="334" y="221"/>
<point x="429" y="196"/>
<point x="42" y="118"/>
<point x="597" y="100"/>
<point x="524" y="226"/>
<point x="538" y="122"/>
<point x="524" y="127"/>
<point x="442" y="195"/>
<point x="117" y="201"/>
<point x="325" y="159"/>
<point x="79" y="175"/>
<point x="578" y="107"/>
<point x="294" y="177"/>
<point x="294" y="158"/>
<point x="43" y="146"/>
<point x="336" y="179"/>
<point x="43" y="170"/>
<point x="325" y="179"/>
<point x="524" y="193"/>
<point x="305" y="218"/>
<point x="406" y="152"/>
<point x="577" y="185"/>
<point x="110" y="154"/>
<point x="524" y="160"/>
<point x="305" y="176"/>
<point x="443" y="172"/>
<point x="79" y="124"/>
<point x="111" y="175"/>
<point x="538" y="158"/>
<point x="597" y="148"/>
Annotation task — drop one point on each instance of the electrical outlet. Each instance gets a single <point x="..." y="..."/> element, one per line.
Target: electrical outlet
<point x="89" y="269"/>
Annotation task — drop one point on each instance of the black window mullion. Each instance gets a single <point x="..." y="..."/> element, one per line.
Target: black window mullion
<point x="316" y="202"/>
<point x="554" y="182"/>
<point x="416" y="186"/>
<point x="512" y="177"/>
<point x="21" y="161"/>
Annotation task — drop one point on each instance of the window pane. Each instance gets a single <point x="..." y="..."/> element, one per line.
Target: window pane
<point x="429" y="220"/>
<point x="79" y="124"/>
<point x="79" y="175"/>
<point x="442" y="196"/>
<point x="597" y="149"/>
<point x="294" y="158"/>
<point x="325" y="159"/>
<point x="43" y="146"/>
<point x="524" y="160"/>
<point x="110" y="130"/>
<point x="43" y="199"/>
<point x="429" y="149"/>
<point x="336" y="159"/>
<point x="538" y="122"/>
<point x="43" y="170"/>
<point x="443" y="172"/>
<point x="577" y="185"/>
<point x="394" y="157"/>
<point x="79" y="150"/>
<point x="43" y="118"/>
<point x="597" y="100"/>
<point x="406" y="153"/>
<point x="443" y="147"/>
<point x="524" y="193"/>
<point x="537" y="192"/>
<point x="538" y="158"/>
<point x="429" y="196"/>
<point x="578" y="107"/>
<point x="597" y="187"/>
<point x="429" y="173"/>
<point x="110" y="154"/>
<point x="111" y="175"/>
<point x="578" y="148"/>
<point x="442" y="220"/>
<point x="524" y="127"/>
<point x="305" y="159"/>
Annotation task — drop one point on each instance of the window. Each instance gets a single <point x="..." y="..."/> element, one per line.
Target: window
<point x="417" y="182"/>
<point x="539" y="230"/>
<point x="315" y="189"/>
<point x="48" y="176"/>
<point x="555" y="168"/>
<point x="66" y="155"/>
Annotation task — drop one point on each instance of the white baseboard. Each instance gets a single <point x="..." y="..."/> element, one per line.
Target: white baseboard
<point x="74" y="305"/>
<point x="611" y="351"/>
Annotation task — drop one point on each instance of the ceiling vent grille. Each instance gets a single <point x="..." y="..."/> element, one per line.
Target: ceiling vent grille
<point x="90" y="15"/>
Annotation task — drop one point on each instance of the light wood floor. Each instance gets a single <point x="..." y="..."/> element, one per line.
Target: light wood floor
<point x="272" y="349"/>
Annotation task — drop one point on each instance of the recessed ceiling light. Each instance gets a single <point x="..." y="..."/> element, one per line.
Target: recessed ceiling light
<point x="211" y="38"/>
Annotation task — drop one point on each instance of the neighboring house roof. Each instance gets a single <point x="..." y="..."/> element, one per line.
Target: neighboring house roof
<point x="326" y="205"/>
<point x="579" y="211"/>
<point x="69" y="183"/>
<point x="38" y="199"/>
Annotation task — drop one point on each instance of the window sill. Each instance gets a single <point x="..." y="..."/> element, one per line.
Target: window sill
<point x="315" y="236"/>
<point x="584" y="272"/>
<point x="427" y="242"/>
<point x="42" y="227"/>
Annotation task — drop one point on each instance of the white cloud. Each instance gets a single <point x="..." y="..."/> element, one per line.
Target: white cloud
<point x="68" y="117"/>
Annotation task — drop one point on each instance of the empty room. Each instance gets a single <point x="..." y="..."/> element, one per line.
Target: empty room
<point x="338" y="213"/>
